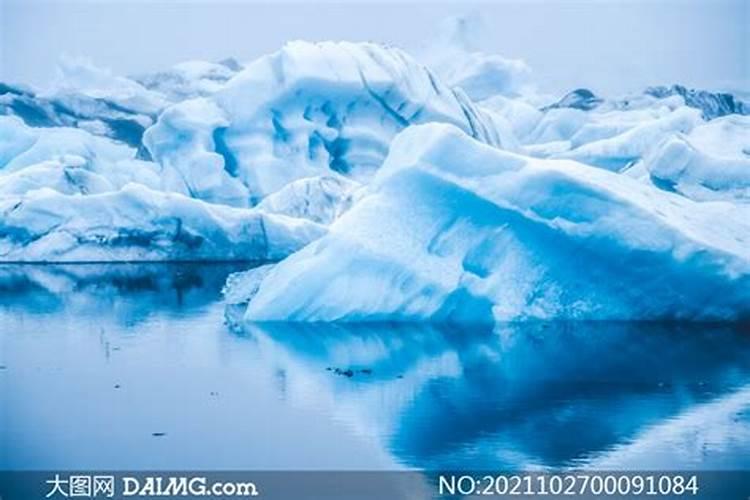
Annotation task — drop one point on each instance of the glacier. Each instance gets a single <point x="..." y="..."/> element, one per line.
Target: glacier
<point x="453" y="230"/>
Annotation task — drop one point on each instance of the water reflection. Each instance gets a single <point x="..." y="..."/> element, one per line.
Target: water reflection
<point x="530" y="395"/>
<point x="142" y="366"/>
<point x="135" y="291"/>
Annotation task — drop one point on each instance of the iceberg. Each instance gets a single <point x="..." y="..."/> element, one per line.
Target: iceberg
<point x="90" y="99"/>
<point x="315" y="108"/>
<point x="278" y="149"/>
<point x="140" y="224"/>
<point x="453" y="230"/>
<point x="582" y="99"/>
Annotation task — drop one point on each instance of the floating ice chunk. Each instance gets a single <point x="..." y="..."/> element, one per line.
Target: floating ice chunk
<point x="97" y="116"/>
<point x="139" y="224"/>
<point x="70" y="174"/>
<point x="185" y="141"/>
<point x="454" y="230"/>
<point x="557" y="124"/>
<point x="26" y="146"/>
<point x="67" y="176"/>
<point x="319" y="199"/>
<point x="312" y="108"/>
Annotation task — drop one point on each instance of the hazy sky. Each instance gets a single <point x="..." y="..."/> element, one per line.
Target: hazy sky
<point x="608" y="45"/>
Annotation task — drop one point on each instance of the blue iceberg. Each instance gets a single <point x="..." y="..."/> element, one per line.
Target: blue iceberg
<point x="454" y="230"/>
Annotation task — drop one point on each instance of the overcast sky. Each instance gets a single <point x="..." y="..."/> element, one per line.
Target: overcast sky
<point x="608" y="45"/>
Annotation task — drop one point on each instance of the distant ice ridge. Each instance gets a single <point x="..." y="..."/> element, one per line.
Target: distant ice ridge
<point x="711" y="104"/>
<point x="454" y="230"/>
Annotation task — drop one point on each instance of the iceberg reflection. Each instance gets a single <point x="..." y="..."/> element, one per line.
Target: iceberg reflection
<point x="546" y="395"/>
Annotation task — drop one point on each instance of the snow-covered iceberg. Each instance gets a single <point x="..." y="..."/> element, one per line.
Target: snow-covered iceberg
<point x="454" y="230"/>
<point x="613" y="133"/>
<point x="67" y="195"/>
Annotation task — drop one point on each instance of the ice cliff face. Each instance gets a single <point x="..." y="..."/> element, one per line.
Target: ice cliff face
<point x="454" y="230"/>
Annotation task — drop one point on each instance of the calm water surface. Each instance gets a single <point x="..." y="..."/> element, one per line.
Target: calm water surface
<point x="135" y="366"/>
